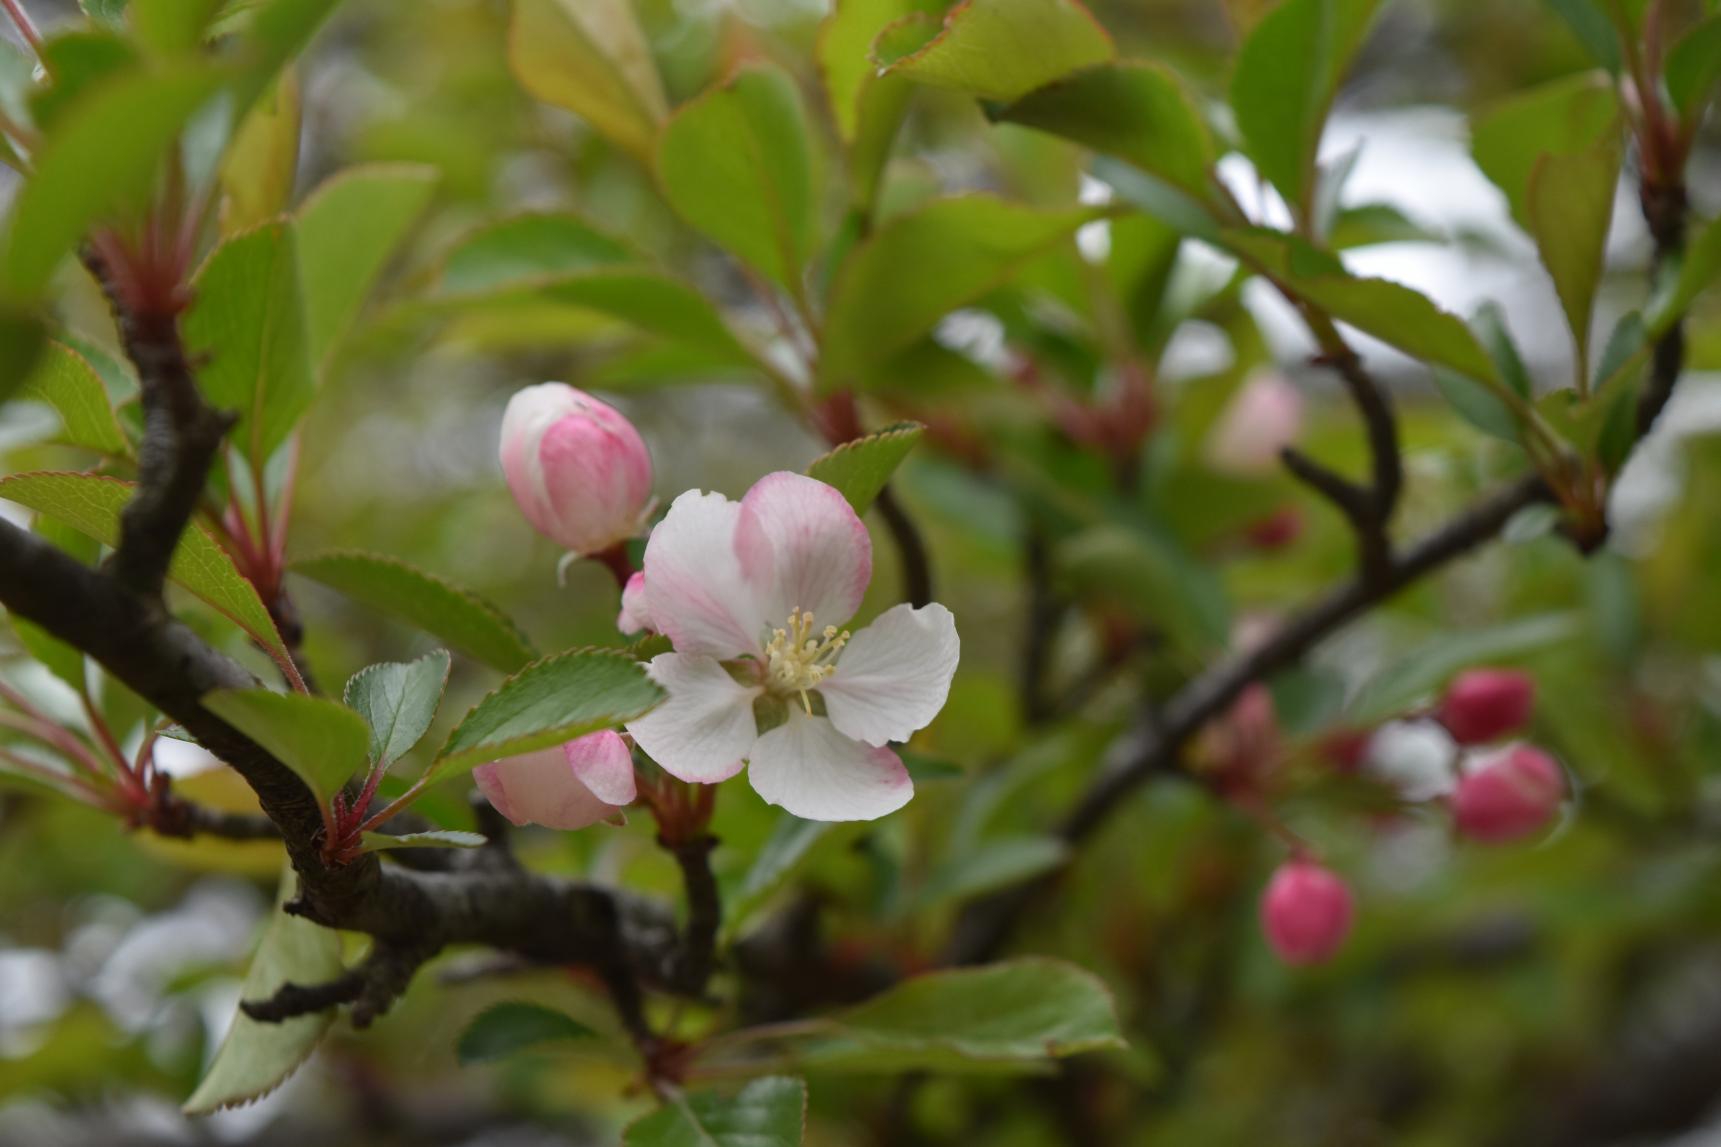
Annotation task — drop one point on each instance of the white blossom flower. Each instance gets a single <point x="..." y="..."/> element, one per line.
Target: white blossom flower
<point x="753" y="595"/>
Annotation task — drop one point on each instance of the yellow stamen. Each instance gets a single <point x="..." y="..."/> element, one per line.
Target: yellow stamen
<point x="800" y="656"/>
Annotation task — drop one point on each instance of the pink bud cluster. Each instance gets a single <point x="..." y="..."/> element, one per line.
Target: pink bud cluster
<point x="1496" y="790"/>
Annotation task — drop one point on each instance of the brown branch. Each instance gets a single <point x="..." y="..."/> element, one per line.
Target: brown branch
<point x="371" y="988"/>
<point x="183" y="820"/>
<point x="910" y="548"/>
<point x="696" y="957"/>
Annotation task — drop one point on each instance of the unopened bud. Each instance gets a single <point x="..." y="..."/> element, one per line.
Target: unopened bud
<point x="571" y="786"/>
<point x="1306" y="912"/>
<point x="1511" y="795"/>
<point x="1265" y="417"/>
<point x="1483" y="705"/>
<point x="578" y="469"/>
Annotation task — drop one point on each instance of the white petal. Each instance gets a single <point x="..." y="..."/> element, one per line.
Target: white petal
<point x="704" y="728"/>
<point x="635" y="615"/>
<point x="802" y="546"/>
<point x="694" y="589"/>
<point x="815" y="772"/>
<point x="543" y="787"/>
<point x="604" y="764"/>
<point x="895" y="674"/>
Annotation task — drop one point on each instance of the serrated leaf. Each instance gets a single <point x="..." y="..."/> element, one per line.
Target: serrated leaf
<point x="1004" y="49"/>
<point x="65" y="380"/>
<point x="1391" y="312"/>
<point x="1570" y="115"/>
<point x="323" y="741"/>
<point x="590" y="57"/>
<point x="790" y="841"/>
<point x="643" y="297"/>
<point x="769" y="1112"/>
<point x="1409" y="680"/>
<point x="860" y="469"/>
<point x="458" y="616"/>
<point x="868" y="107"/>
<point x="398" y="700"/>
<point x="529" y="247"/>
<point x="433" y="838"/>
<point x="248" y="321"/>
<point x="348" y="229"/>
<point x="255" y="1058"/>
<point x="1569" y="202"/>
<point x="92" y="503"/>
<point x="991" y="865"/>
<point x="546" y="704"/>
<point x="737" y="164"/>
<point x="1019" y="1011"/>
<point x="1138" y="112"/>
<point x="101" y="158"/>
<point x="505" y="1029"/>
<point x="1287" y="75"/>
<point x="1693" y="66"/>
<point x="920" y="266"/>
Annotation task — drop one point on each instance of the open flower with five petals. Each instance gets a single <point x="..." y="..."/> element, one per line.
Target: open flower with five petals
<point x="753" y="595"/>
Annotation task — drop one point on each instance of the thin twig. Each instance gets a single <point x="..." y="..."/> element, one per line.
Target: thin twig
<point x="910" y="548"/>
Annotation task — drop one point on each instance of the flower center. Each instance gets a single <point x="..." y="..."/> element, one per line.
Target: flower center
<point x="798" y="657"/>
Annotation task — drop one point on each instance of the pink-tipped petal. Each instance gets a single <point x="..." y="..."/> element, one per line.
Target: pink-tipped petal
<point x="811" y="770"/>
<point x="895" y="674"/>
<point x="604" y="764"/>
<point x="704" y="729"/>
<point x="694" y="588"/>
<point x="635" y="615"/>
<point x="542" y="788"/>
<point x="578" y="469"/>
<point x="802" y="546"/>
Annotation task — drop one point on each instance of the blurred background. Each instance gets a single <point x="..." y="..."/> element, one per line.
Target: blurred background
<point x="1565" y="992"/>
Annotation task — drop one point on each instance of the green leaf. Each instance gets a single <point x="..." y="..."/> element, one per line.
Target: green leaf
<point x="398" y="700"/>
<point x="76" y="62"/>
<point x="65" y="380"/>
<point x="1568" y="116"/>
<point x="868" y="107"/>
<point x="894" y="288"/>
<point x="1489" y="325"/>
<point x="100" y="158"/>
<point x="1153" y="577"/>
<point x="347" y="230"/>
<point x="23" y="344"/>
<point x="1593" y="28"/>
<point x="255" y="1058"/>
<point x="172" y="27"/>
<point x="736" y="163"/>
<point x="1391" y="312"/>
<point x="323" y="741"/>
<point x="860" y="469"/>
<point x="1287" y="75"/>
<point x="106" y="11"/>
<point x="506" y="1029"/>
<point x="644" y="297"/>
<point x="528" y="247"/>
<point x="1569" y="201"/>
<point x="1368" y="224"/>
<point x="1699" y="267"/>
<point x="790" y="841"/>
<point x="92" y="503"/>
<point x="275" y="33"/>
<point x="549" y="703"/>
<point x="262" y="162"/>
<point x="992" y="865"/>
<point x="460" y="617"/>
<point x="769" y="1112"/>
<point x="434" y="838"/>
<point x="1025" y="1010"/>
<point x="1477" y="405"/>
<point x="1410" y="680"/>
<point x="248" y="320"/>
<point x="1693" y="65"/>
<point x="590" y="57"/>
<point x="1004" y="49"/>
<point x="1138" y="112"/>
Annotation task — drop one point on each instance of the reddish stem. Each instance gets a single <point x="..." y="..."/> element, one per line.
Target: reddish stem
<point x="26" y="27"/>
<point x="616" y="560"/>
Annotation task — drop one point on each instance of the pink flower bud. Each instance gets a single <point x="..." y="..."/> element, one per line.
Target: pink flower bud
<point x="1513" y="794"/>
<point x="1484" y="705"/>
<point x="568" y="787"/>
<point x="635" y="615"/>
<point x="578" y="469"/>
<point x="1306" y="913"/>
<point x="1265" y="417"/>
